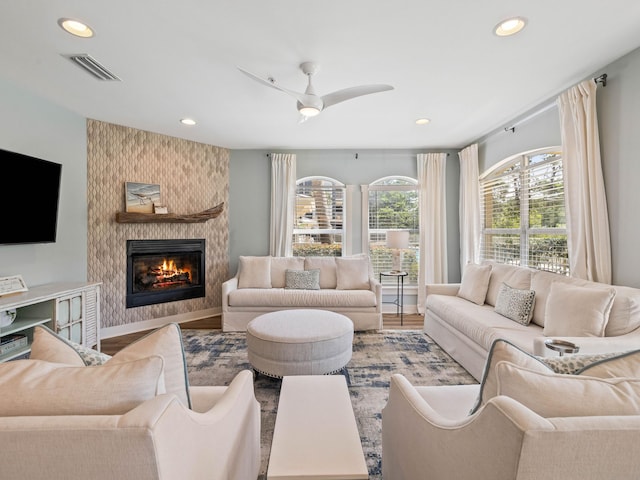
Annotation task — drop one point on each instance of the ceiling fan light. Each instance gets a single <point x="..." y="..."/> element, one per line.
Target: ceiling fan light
<point x="309" y="111"/>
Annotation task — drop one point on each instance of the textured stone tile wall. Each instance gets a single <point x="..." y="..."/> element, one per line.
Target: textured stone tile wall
<point x="192" y="177"/>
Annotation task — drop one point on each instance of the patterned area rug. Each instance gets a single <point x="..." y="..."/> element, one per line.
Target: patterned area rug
<point x="214" y="358"/>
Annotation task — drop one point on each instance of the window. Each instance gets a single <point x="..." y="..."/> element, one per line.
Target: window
<point x="523" y="212"/>
<point x="318" y="228"/>
<point x="392" y="203"/>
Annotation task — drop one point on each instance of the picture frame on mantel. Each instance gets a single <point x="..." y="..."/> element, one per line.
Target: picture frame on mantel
<point x="12" y="284"/>
<point x="141" y="197"/>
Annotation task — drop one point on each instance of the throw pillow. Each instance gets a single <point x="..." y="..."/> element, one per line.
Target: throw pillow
<point x="575" y="311"/>
<point x="502" y="350"/>
<point x="254" y="272"/>
<point x="50" y="347"/>
<point x="601" y="365"/>
<point x="515" y="304"/>
<point x="475" y="282"/>
<point x="302" y="279"/>
<point x="165" y="342"/>
<point x="353" y="274"/>
<point x="43" y="388"/>
<point x="327" y="267"/>
<point x="279" y="267"/>
<point x="552" y="395"/>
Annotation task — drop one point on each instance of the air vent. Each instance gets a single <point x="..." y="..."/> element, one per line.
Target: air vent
<point x="91" y="65"/>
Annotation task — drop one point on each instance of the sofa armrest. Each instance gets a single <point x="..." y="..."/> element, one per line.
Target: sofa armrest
<point x="376" y="288"/>
<point x="442" y="289"/>
<point x="416" y="438"/>
<point x="227" y="288"/>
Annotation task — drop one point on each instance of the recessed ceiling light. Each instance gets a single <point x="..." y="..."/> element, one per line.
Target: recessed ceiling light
<point x="510" y="26"/>
<point x="75" y="27"/>
<point x="422" y="121"/>
<point x="187" y="121"/>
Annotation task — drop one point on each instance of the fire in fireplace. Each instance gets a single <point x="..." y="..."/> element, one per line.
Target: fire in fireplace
<point x="161" y="271"/>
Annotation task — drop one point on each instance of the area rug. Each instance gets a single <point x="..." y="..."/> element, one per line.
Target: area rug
<point x="214" y="358"/>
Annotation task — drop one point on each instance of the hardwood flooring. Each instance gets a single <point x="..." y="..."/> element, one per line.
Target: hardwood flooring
<point x="389" y="321"/>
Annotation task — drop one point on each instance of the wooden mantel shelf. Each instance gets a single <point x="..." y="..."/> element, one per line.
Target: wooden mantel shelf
<point x="201" y="217"/>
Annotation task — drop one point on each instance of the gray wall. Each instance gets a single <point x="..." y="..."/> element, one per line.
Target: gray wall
<point x="619" y="124"/>
<point x="36" y="127"/>
<point x="249" y="192"/>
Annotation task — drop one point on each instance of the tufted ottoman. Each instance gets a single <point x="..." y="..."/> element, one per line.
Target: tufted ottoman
<point x="299" y="342"/>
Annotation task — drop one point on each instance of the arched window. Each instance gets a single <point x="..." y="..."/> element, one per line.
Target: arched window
<point x="391" y="203"/>
<point x="523" y="211"/>
<point x="319" y="224"/>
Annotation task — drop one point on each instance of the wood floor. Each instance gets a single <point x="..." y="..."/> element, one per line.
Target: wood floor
<point x="389" y="321"/>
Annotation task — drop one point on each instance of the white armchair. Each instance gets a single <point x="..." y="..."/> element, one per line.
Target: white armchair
<point x="427" y="433"/>
<point x="160" y="439"/>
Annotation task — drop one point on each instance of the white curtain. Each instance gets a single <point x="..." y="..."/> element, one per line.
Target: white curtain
<point x="469" y="206"/>
<point x="433" y="222"/>
<point x="586" y="204"/>
<point x="283" y="203"/>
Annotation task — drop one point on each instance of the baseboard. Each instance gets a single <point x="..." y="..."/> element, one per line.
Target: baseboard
<point x="390" y="308"/>
<point x="109" y="332"/>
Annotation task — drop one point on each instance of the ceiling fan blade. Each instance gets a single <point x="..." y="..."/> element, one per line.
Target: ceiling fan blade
<point x="352" y="92"/>
<point x="301" y="97"/>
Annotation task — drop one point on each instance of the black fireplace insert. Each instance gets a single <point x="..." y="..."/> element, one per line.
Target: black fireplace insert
<point x="160" y="271"/>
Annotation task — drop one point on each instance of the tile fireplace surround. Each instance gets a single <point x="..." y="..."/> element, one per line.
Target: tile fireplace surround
<point x="192" y="177"/>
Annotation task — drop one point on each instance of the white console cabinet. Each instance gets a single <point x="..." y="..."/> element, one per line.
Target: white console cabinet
<point x="70" y="309"/>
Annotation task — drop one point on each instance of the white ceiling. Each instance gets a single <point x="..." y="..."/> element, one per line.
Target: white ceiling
<point x="178" y="59"/>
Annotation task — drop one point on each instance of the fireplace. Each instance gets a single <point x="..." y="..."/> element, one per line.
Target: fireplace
<point x="161" y="271"/>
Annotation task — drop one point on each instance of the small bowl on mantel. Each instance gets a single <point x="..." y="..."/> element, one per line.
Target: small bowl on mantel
<point x="7" y="317"/>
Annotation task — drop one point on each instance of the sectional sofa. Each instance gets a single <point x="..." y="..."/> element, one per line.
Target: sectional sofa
<point x="464" y="318"/>
<point x="265" y="284"/>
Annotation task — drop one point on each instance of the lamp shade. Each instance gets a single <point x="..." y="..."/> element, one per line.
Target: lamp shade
<point x="398" y="239"/>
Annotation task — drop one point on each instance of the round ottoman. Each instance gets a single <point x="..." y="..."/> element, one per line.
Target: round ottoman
<point x="299" y="342"/>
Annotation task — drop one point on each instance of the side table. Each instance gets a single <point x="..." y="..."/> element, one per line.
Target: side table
<point x="399" y="301"/>
<point x="561" y="346"/>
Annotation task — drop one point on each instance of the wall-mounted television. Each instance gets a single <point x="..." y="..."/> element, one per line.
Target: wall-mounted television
<point x="29" y="197"/>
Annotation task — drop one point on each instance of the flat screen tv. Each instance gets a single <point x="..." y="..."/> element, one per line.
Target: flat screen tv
<point x="30" y="191"/>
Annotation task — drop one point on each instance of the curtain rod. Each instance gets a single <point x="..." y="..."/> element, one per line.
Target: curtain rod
<point x="600" y="79"/>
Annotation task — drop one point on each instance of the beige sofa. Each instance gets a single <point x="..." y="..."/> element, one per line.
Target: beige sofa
<point x="466" y="330"/>
<point x="427" y="432"/>
<point x="69" y="412"/>
<point x="219" y="438"/>
<point x="344" y="285"/>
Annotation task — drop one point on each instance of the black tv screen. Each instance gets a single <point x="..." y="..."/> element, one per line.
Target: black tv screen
<point x="30" y="191"/>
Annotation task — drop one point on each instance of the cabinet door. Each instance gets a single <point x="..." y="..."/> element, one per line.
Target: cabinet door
<point x="71" y="317"/>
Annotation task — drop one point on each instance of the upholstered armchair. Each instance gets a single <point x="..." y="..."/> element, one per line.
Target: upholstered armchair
<point x="428" y="434"/>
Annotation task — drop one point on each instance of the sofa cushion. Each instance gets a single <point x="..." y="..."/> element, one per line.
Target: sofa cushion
<point x="541" y="284"/>
<point x="475" y="282"/>
<point x="552" y="395"/>
<point x="165" y="341"/>
<point x="601" y="365"/>
<point x="327" y="267"/>
<point x="512" y="275"/>
<point x="254" y="272"/>
<point x="625" y="312"/>
<point x="352" y="273"/>
<point x="515" y="304"/>
<point x="50" y="347"/>
<point x="576" y="311"/>
<point x="282" y="297"/>
<point x="279" y="267"/>
<point x="303" y="279"/>
<point x="44" y="388"/>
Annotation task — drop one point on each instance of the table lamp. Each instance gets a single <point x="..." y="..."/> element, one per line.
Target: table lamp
<point x="397" y="240"/>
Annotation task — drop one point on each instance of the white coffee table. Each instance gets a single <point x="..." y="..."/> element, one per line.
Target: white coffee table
<point x="315" y="434"/>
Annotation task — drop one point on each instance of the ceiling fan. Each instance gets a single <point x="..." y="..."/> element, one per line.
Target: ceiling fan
<point x="309" y="104"/>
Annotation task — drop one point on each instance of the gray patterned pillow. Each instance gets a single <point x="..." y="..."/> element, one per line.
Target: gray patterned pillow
<point x="515" y="304"/>
<point x="575" y="364"/>
<point x="302" y="279"/>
